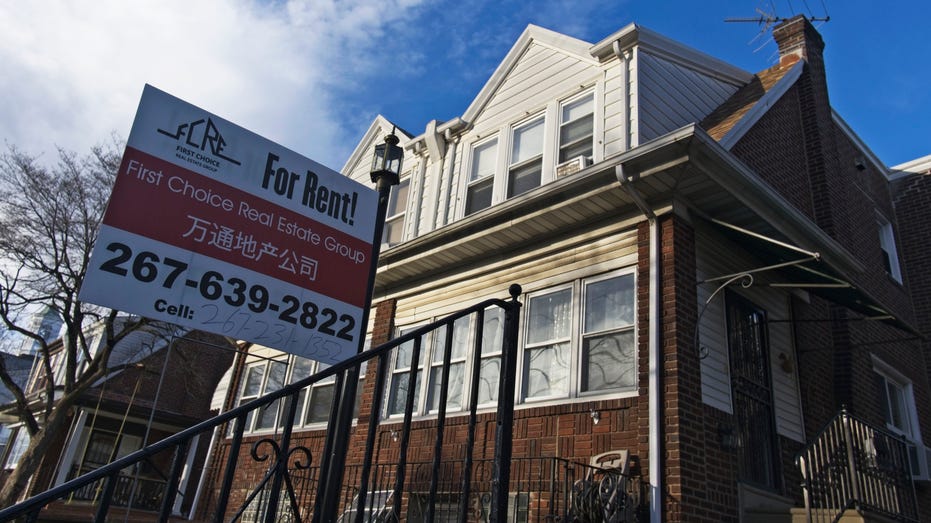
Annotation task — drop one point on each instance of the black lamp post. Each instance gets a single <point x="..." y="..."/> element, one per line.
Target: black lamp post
<point x="387" y="162"/>
<point x="386" y="171"/>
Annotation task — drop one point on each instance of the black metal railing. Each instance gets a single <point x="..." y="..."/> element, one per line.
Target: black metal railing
<point x="274" y="497"/>
<point x="131" y="490"/>
<point x="540" y="490"/>
<point x="854" y="465"/>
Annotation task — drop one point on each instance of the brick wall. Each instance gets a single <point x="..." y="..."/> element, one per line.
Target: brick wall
<point x="913" y="214"/>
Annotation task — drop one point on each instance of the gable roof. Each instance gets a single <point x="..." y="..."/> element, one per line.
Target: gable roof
<point x="379" y="127"/>
<point x="532" y="35"/>
<point x="636" y="35"/>
<point x="732" y="119"/>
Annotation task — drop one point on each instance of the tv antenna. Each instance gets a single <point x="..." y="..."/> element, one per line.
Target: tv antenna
<point x="767" y="19"/>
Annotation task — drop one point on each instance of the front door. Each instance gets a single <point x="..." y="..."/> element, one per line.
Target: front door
<point x="752" y="393"/>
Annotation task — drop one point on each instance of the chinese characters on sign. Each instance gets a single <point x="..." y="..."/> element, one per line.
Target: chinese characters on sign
<point x="213" y="227"/>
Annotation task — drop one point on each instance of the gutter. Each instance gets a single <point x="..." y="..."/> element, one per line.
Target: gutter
<point x="655" y="358"/>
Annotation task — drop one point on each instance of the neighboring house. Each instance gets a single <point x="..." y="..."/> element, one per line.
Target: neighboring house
<point x="711" y="269"/>
<point x="145" y="401"/>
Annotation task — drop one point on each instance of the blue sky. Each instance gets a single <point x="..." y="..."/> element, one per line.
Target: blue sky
<point x="313" y="74"/>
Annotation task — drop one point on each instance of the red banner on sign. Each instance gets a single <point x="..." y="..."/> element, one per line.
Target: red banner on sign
<point x="176" y="206"/>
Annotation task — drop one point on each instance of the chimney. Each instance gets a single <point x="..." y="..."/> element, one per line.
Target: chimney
<point x="798" y="40"/>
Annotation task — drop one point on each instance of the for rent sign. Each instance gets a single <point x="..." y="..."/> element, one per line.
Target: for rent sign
<point x="214" y="227"/>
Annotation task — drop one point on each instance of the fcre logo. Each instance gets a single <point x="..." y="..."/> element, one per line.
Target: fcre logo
<point x="201" y="134"/>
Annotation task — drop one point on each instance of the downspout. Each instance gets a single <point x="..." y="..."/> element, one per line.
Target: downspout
<point x="453" y="146"/>
<point x="654" y="355"/>
<point x="624" y="57"/>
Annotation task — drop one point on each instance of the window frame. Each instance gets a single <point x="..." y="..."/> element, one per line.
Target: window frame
<point x="891" y="376"/>
<point x="561" y="123"/>
<point x="486" y="179"/>
<point x="546" y="160"/>
<point x="399" y="216"/>
<point x="432" y="348"/>
<point x="305" y="396"/>
<point x="521" y="164"/>
<point x="577" y="336"/>
<point x="888" y="247"/>
<point x="16" y="447"/>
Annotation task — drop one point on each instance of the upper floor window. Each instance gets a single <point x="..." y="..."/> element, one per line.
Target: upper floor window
<point x="394" y="216"/>
<point x="525" y="167"/>
<point x="515" y="157"/>
<point x="482" y="176"/>
<point x="887" y="245"/>
<point x="576" y="128"/>
<point x="579" y="339"/>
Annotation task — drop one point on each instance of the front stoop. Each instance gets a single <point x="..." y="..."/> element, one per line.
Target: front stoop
<point x="800" y="515"/>
<point x="767" y="516"/>
<point x="762" y="506"/>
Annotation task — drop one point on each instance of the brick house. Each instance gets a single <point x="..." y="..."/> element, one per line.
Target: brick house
<point x="717" y="274"/>
<point x="145" y="401"/>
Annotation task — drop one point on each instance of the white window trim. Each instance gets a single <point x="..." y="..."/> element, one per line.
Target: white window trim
<point x="301" y="415"/>
<point x="467" y="172"/>
<point x="575" y="349"/>
<point x="504" y="134"/>
<point x="402" y="215"/>
<point x="559" y="123"/>
<point x="431" y="343"/>
<point x="574" y="394"/>
<point x="545" y="157"/>
<point x="891" y="374"/>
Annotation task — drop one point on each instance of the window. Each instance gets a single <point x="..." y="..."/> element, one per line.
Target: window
<point x="19" y="440"/>
<point x="898" y="406"/>
<point x="579" y="339"/>
<point x="446" y="507"/>
<point x="576" y="128"/>
<point x="898" y="403"/>
<point x="394" y="216"/>
<point x="482" y="176"/>
<point x="314" y="401"/>
<point x="400" y="374"/>
<point x="433" y="349"/>
<point x="458" y="352"/>
<point x="102" y="446"/>
<point x="887" y="245"/>
<point x="492" y="342"/>
<point x="526" y="164"/>
<point x="5" y="434"/>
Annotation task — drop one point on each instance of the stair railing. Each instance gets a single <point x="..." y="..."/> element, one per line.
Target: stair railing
<point x="279" y="477"/>
<point x="851" y="464"/>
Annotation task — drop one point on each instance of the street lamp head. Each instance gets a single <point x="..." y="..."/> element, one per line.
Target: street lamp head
<point x="387" y="161"/>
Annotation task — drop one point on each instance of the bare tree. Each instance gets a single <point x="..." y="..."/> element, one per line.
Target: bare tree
<point x="49" y="217"/>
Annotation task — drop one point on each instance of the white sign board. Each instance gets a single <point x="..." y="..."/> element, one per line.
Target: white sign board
<point x="214" y="227"/>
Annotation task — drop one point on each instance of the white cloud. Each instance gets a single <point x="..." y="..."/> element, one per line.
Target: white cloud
<point x="74" y="70"/>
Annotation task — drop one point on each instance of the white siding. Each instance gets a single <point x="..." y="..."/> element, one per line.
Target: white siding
<point x="540" y="76"/>
<point x="557" y="263"/>
<point x="716" y="387"/>
<point x="671" y="95"/>
<point x="616" y="107"/>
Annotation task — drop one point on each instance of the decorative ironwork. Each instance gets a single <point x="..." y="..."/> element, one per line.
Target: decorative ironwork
<point x="277" y="466"/>
<point x="746" y="281"/>
<point x="854" y="465"/>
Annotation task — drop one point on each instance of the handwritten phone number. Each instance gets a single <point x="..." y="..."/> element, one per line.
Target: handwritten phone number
<point x="147" y="267"/>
